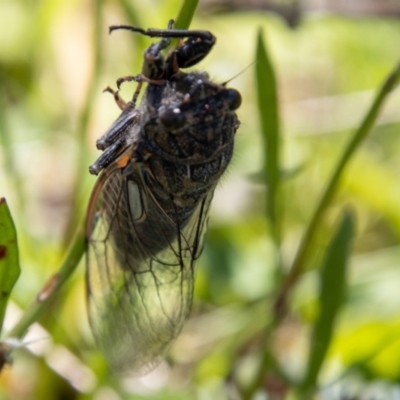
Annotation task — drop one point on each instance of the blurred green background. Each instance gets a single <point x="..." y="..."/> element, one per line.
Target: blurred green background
<point x="56" y="57"/>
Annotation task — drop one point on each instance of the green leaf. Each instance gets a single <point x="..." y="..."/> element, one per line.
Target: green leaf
<point x="268" y="109"/>
<point x="332" y="291"/>
<point x="186" y="14"/>
<point x="9" y="263"/>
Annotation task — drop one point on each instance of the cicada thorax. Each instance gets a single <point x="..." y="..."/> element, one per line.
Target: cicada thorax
<point x="190" y="141"/>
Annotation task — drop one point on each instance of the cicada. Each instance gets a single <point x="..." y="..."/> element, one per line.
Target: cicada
<point x="148" y="212"/>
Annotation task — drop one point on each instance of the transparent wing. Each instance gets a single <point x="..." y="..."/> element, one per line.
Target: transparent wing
<point x="140" y="271"/>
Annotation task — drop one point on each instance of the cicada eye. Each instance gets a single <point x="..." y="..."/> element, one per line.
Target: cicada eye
<point x="173" y="119"/>
<point x="234" y="99"/>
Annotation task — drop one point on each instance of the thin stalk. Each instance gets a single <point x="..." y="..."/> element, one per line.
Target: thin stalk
<point x="309" y="235"/>
<point x="52" y="287"/>
<point x="280" y="308"/>
<point x="84" y="119"/>
<point x="269" y="363"/>
<point x="186" y="14"/>
<point x="184" y="17"/>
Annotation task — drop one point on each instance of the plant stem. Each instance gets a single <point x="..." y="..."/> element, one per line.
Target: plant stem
<point x="84" y="119"/>
<point x="279" y="308"/>
<point x="327" y="196"/>
<point x="52" y="287"/>
<point x="186" y="14"/>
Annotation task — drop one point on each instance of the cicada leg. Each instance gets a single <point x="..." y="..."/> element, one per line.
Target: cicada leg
<point x="120" y="102"/>
<point x="108" y="156"/>
<point x="189" y="53"/>
<point x="137" y="78"/>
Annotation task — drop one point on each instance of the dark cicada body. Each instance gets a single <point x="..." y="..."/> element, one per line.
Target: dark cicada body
<point x="148" y="212"/>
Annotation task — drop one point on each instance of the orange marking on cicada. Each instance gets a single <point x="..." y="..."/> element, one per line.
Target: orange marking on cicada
<point x="124" y="158"/>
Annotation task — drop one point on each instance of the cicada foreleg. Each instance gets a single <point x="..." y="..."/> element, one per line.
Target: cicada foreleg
<point x="120" y="102"/>
<point x="197" y="45"/>
<point x="108" y="156"/>
<point x="153" y="67"/>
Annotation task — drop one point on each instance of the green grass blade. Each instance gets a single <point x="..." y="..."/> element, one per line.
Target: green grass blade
<point x="186" y="14"/>
<point x="268" y="109"/>
<point x="267" y="99"/>
<point x="9" y="262"/>
<point x="7" y="150"/>
<point x="360" y="134"/>
<point x="332" y="292"/>
<point x="79" y="197"/>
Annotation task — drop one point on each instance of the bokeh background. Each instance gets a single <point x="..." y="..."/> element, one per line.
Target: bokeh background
<point x="329" y="58"/>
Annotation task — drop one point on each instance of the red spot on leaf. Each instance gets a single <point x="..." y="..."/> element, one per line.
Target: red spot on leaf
<point x="3" y="251"/>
